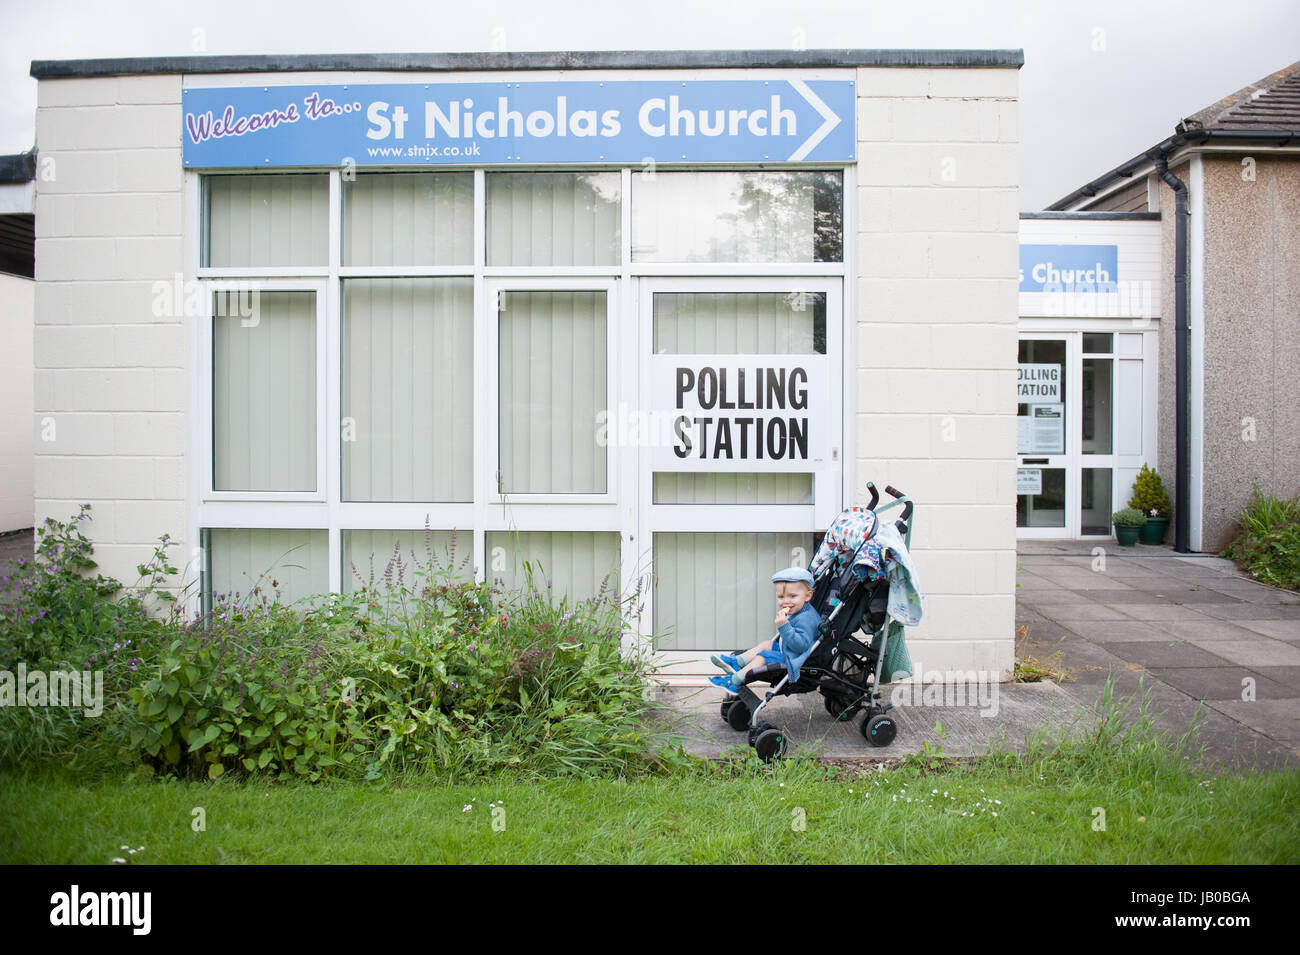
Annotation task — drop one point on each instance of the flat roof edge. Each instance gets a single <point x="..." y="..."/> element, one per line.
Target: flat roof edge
<point x="18" y="167"/>
<point x="540" y="60"/>
<point x="1092" y="214"/>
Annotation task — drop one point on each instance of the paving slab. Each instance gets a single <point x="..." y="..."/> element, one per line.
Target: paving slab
<point x="1174" y="653"/>
<point x="1222" y="683"/>
<point x="1249" y="611"/>
<point x="1253" y="653"/>
<point x="1278" y="629"/>
<point x="1122" y="631"/>
<point x="1079" y="611"/>
<point x="1277" y="719"/>
<point x="1011" y="713"/>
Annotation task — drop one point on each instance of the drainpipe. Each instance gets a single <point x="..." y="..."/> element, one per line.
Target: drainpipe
<point x="1182" y="421"/>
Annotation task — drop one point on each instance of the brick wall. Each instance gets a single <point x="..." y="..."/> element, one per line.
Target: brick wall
<point x="109" y="372"/>
<point x="936" y="303"/>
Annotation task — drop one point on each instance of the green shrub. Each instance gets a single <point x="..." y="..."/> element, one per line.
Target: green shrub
<point x="1129" y="516"/>
<point x="55" y="617"/>
<point x="1268" y="545"/>
<point x="1149" y="495"/>
<point x="449" y="677"/>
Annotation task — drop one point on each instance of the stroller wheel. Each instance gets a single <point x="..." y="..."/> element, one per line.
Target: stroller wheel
<point x="726" y="708"/>
<point x="879" y="730"/>
<point x="738" y="716"/>
<point x="770" y="745"/>
<point x="839" y="710"/>
<point x="756" y="731"/>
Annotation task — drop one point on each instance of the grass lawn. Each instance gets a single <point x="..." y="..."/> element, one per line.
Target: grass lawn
<point x="994" y="811"/>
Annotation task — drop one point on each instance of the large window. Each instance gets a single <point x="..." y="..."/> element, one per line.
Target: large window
<point x="451" y="365"/>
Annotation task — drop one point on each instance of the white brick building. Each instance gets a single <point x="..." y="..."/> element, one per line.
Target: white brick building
<point x="432" y="345"/>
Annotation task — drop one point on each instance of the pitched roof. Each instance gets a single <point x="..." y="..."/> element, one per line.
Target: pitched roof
<point x="1250" y="117"/>
<point x="1270" y="103"/>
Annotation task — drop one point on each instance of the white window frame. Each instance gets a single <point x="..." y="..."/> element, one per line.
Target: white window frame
<point x="626" y="506"/>
<point x="490" y="320"/>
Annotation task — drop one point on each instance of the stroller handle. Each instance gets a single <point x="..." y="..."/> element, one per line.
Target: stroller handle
<point x="875" y="496"/>
<point x="907" y="506"/>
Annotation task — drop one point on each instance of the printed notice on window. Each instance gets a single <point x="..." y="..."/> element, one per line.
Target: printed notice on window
<point x="1042" y="431"/>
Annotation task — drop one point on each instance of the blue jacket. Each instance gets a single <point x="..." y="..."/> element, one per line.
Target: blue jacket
<point x="798" y="634"/>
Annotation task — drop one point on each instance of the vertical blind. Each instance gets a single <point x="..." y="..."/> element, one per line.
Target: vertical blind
<point x="695" y="487"/>
<point x="396" y="219"/>
<point x="576" y="564"/>
<point x="553" y="373"/>
<point x="267" y="220"/>
<point x="402" y="558"/>
<point x="298" y="560"/>
<point x="264" y="393"/>
<point x="740" y="323"/>
<point x="715" y="590"/>
<point x="562" y="218"/>
<point x="408" y="389"/>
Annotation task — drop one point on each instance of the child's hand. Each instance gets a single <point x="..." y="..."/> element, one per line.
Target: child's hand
<point x="781" y="619"/>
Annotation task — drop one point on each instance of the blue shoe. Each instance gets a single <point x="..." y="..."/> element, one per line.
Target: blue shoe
<point x="725" y="661"/>
<point x="725" y="683"/>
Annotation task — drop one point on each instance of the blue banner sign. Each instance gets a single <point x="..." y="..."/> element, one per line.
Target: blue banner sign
<point x="1069" y="268"/>
<point x="428" y="124"/>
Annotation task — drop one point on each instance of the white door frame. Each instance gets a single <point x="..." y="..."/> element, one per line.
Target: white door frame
<point x="829" y="479"/>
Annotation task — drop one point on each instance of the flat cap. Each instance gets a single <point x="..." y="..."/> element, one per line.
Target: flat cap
<point x="793" y="574"/>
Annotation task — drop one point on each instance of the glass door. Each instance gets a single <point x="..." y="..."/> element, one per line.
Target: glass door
<point x="741" y="383"/>
<point x="1066" y="441"/>
<point x="1096" y="434"/>
<point x="1043" y="478"/>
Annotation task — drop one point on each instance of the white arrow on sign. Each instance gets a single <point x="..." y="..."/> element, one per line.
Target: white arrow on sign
<point x="824" y="130"/>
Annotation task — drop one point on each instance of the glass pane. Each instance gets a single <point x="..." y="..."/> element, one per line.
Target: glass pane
<point x="408" y="389"/>
<point x="740" y="323"/>
<point x="376" y="558"/>
<point x="552" y="392"/>
<point x="1098" y="342"/>
<point x="1095" y="509"/>
<point x="292" y="562"/>
<point x="1045" y="509"/>
<point x="774" y="216"/>
<point x="553" y="218"/>
<point x="409" y="219"/>
<point x="1040" y="395"/>
<point x="264" y="393"/>
<point x="576" y="566"/>
<point x="714" y="591"/>
<point x="729" y="488"/>
<point x="263" y="220"/>
<point x="1097" y="412"/>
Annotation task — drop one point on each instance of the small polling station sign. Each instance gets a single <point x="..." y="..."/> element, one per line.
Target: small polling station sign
<point x="784" y="118"/>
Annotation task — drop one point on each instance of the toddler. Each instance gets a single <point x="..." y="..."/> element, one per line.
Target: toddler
<point x="797" y="624"/>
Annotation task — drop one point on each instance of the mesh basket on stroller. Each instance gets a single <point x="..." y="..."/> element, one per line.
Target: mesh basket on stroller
<point x="860" y="642"/>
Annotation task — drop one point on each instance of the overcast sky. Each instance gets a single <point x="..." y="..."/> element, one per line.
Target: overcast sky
<point x="1102" y="81"/>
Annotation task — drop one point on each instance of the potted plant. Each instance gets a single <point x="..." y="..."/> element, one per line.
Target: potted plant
<point x="1150" y="497"/>
<point x="1128" y="524"/>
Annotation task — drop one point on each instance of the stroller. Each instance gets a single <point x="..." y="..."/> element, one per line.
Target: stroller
<point x="852" y="571"/>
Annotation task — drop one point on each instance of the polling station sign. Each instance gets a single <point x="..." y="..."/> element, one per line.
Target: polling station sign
<point x="738" y="413"/>
<point x="783" y="118"/>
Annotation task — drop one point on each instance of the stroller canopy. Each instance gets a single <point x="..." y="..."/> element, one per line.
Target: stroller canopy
<point x="844" y="540"/>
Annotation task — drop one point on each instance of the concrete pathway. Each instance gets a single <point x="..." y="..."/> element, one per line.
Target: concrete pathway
<point x="1193" y="627"/>
<point x="1207" y="641"/>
